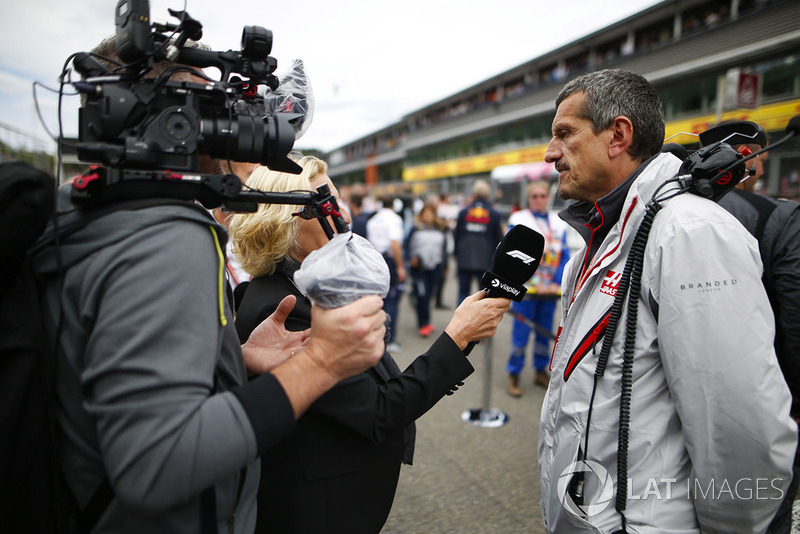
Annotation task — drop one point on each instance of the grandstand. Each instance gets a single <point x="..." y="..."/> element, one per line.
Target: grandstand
<point x="18" y="145"/>
<point x="710" y="60"/>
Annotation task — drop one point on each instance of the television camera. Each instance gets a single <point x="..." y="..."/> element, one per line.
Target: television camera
<point x="148" y="129"/>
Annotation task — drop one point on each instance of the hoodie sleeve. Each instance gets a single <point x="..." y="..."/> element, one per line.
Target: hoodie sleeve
<point x="160" y="353"/>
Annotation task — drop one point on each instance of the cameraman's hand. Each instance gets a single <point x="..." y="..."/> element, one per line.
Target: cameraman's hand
<point x="349" y="339"/>
<point x="476" y="318"/>
<point x="270" y="344"/>
<point x="344" y="341"/>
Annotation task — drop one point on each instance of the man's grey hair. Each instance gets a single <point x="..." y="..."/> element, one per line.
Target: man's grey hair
<point x="612" y="93"/>
<point x="106" y="54"/>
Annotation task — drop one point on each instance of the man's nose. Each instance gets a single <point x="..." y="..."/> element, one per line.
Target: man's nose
<point x="552" y="154"/>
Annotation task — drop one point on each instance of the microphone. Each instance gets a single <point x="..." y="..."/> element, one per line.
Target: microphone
<point x="718" y="167"/>
<point x="515" y="260"/>
<point x="715" y="170"/>
<point x="679" y="151"/>
<point x="793" y="128"/>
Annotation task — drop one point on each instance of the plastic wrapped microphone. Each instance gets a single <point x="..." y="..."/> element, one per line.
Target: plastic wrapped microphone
<point x="515" y="260"/>
<point x="345" y="269"/>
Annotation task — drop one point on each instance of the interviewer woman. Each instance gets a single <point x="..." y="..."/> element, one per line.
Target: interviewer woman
<point x="338" y="471"/>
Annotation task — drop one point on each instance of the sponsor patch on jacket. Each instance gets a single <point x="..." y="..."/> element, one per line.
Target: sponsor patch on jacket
<point x="610" y="283"/>
<point x="477" y="214"/>
<point x="707" y="286"/>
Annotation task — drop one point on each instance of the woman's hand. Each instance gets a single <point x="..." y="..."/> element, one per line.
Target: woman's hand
<point x="270" y="344"/>
<point x="476" y="318"/>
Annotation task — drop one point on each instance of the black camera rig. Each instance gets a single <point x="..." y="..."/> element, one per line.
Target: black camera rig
<point x="148" y="132"/>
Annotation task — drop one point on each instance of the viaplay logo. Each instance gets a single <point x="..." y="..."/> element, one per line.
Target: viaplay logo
<point x="497" y="284"/>
<point x="595" y="476"/>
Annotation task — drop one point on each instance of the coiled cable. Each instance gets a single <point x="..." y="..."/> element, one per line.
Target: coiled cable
<point x="629" y="287"/>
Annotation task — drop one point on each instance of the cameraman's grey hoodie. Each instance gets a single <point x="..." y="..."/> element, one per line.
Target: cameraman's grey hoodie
<point x="151" y="385"/>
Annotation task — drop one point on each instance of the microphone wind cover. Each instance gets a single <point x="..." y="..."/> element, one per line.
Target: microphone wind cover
<point x="679" y="151"/>
<point x="293" y="95"/>
<point x="515" y="260"/>
<point x="794" y="126"/>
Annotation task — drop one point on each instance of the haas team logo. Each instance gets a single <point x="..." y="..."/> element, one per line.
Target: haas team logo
<point x="610" y="283"/>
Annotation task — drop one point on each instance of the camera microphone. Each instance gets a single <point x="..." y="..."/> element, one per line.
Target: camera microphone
<point x="88" y="67"/>
<point x="679" y="151"/>
<point x="515" y="260"/>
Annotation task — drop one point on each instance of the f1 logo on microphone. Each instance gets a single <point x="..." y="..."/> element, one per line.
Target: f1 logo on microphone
<point x="521" y="256"/>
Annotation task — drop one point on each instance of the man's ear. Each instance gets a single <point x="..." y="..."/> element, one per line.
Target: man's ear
<point x="620" y="136"/>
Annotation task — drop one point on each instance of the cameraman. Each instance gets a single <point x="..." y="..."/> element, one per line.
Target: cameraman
<point x="160" y="430"/>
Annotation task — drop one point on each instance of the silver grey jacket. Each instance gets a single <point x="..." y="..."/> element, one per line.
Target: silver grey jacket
<point x="711" y="442"/>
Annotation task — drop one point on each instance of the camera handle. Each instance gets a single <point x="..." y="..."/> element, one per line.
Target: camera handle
<point x="319" y="205"/>
<point x="108" y="184"/>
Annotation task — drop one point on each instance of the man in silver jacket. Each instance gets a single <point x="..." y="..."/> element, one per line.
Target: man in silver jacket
<point x="711" y="440"/>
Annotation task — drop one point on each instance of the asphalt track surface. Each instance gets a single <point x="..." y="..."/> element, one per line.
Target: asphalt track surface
<point x="466" y="478"/>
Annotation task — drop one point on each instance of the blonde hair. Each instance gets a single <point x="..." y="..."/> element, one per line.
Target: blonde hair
<point x="482" y="190"/>
<point x="538" y="184"/>
<point x="263" y="239"/>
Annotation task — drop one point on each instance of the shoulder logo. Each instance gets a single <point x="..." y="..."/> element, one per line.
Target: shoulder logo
<point x="518" y="254"/>
<point x="707" y="286"/>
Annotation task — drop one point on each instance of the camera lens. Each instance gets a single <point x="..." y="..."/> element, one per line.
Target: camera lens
<point x="245" y="138"/>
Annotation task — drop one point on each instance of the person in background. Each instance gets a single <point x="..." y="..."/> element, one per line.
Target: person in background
<point x="447" y="212"/>
<point x="426" y="252"/>
<point x="539" y="305"/>
<point x="338" y="471"/>
<point x="385" y="232"/>
<point x="359" y="215"/>
<point x="691" y="395"/>
<point x="776" y="226"/>
<point x="478" y="231"/>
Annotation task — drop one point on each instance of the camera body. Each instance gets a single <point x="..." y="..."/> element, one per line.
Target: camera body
<point x="135" y="119"/>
